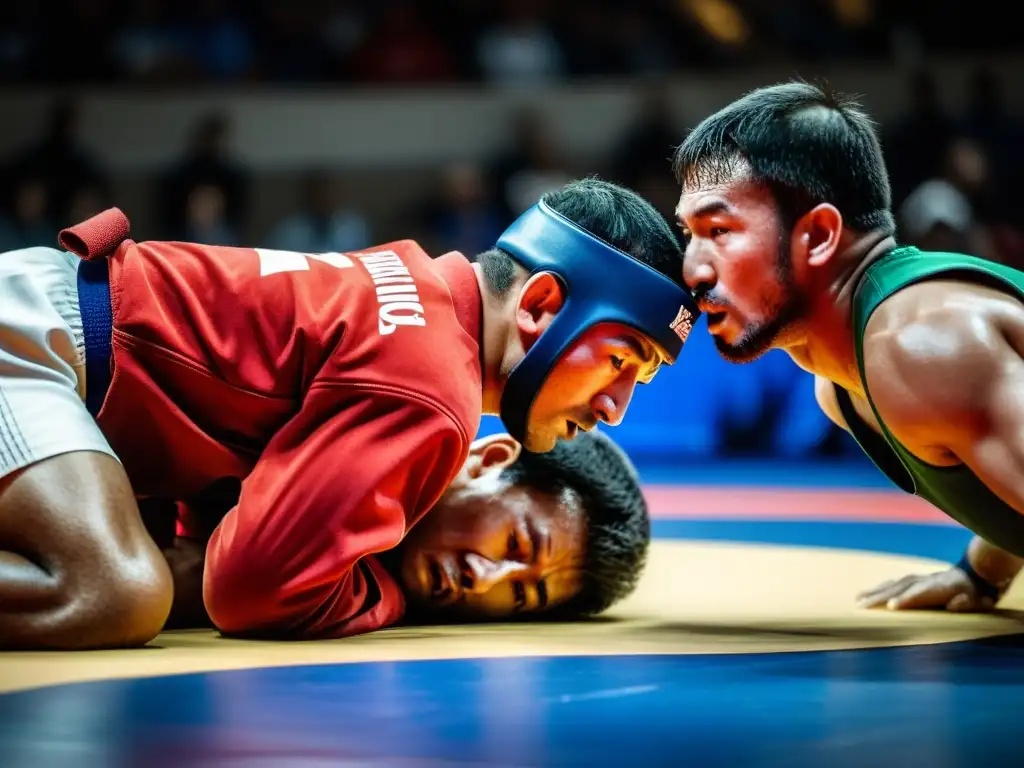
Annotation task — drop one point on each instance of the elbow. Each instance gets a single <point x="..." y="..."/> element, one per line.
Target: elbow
<point x="238" y="597"/>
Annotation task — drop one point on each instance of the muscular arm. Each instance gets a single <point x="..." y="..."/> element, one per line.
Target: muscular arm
<point x="954" y="382"/>
<point x="990" y="440"/>
<point x="77" y="567"/>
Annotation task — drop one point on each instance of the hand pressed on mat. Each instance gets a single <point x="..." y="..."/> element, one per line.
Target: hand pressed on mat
<point x="950" y="590"/>
<point x="955" y="589"/>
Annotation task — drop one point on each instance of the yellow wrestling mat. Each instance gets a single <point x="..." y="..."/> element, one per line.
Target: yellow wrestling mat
<point x="695" y="598"/>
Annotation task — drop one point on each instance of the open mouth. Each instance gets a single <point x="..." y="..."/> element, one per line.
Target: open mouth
<point x="571" y="429"/>
<point x="714" y="318"/>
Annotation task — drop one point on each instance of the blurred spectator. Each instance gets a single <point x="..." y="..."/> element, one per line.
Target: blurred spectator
<point x="324" y="223"/>
<point x="533" y="166"/>
<point x="642" y="159"/>
<point x="915" y="145"/>
<point x="937" y="216"/>
<point x="206" y="219"/>
<point x="401" y="48"/>
<point x="206" y="163"/>
<point x="462" y="217"/>
<point x="25" y="223"/>
<point x="949" y="212"/>
<point x="521" y="48"/>
<point x="60" y="162"/>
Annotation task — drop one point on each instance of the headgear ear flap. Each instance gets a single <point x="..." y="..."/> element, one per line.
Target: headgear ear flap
<point x="603" y="285"/>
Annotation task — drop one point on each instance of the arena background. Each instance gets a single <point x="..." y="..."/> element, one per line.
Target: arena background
<point x="320" y="125"/>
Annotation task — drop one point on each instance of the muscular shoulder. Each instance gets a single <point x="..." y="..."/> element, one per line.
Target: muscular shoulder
<point x="931" y="351"/>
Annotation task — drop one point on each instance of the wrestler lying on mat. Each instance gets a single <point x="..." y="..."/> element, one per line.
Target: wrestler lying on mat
<point x="342" y="391"/>
<point x="517" y="535"/>
<point x="919" y="355"/>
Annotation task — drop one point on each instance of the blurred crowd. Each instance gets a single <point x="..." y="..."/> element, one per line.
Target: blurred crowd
<point x="957" y="181"/>
<point x="434" y="41"/>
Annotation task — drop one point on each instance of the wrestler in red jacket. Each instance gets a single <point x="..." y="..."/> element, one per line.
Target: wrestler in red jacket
<point x="341" y="390"/>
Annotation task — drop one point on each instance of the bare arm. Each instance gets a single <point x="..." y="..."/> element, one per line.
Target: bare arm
<point x="955" y="382"/>
<point x="77" y="568"/>
<point x="991" y="440"/>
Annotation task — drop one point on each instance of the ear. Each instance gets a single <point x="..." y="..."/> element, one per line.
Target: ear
<point x="541" y="298"/>
<point x="491" y="454"/>
<point x="818" y="232"/>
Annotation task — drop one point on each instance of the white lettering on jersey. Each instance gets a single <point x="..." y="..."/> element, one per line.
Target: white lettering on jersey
<point x="396" y="291"/>
<point x="272" y="262"/>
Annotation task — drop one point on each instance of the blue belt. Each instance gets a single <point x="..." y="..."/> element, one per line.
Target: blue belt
<point x="98" y="329"/>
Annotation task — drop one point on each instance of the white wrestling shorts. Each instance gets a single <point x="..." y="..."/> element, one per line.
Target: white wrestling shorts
<point x="42" y="361"/>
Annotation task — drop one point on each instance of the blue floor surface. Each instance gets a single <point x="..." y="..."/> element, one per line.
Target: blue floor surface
<point x="952" y="705"/>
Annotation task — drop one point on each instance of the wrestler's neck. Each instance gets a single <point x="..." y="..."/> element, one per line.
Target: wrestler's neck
<point x="824" y="344"/>
<point x="498" y="327"/>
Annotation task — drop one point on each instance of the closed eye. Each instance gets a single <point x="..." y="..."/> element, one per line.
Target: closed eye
<point x="519" y="594"/>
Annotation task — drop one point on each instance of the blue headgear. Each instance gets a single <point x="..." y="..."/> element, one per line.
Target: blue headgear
<point x="602" y="285"/>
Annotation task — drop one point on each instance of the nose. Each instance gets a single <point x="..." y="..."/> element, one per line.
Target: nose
<point x="611" y="403"/>
<point x="481" y="574"/>
<point x="698" y="274"/>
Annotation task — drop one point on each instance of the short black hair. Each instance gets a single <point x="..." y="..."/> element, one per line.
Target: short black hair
<point x="617" y="520"/>
<point x="614" y="214"/>
<point x="806" y="144"/>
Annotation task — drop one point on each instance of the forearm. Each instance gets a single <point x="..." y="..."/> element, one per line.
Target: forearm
<point x="996" y="566"/>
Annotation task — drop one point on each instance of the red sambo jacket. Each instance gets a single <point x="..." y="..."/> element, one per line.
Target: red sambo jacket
<point x="343" y="390"/>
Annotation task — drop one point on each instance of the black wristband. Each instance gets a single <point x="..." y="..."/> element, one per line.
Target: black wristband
<point x="983" y="587"/>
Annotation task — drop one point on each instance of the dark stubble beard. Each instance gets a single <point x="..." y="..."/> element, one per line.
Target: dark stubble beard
<point x="758" y="338"/>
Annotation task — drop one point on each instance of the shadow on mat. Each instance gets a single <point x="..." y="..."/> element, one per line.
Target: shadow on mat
<point x="864" y="633"/>
<point x="993" y="661"/>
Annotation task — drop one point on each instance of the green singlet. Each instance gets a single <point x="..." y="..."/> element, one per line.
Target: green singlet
<point x="955" y="490"/>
